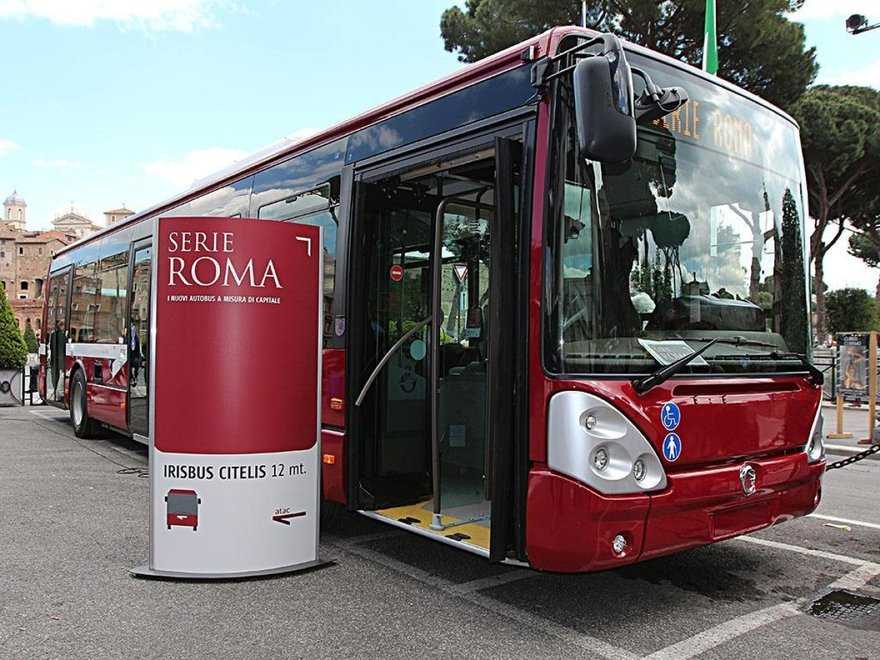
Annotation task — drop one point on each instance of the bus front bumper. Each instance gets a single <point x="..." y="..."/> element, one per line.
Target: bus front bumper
<point x="571" y="528"/>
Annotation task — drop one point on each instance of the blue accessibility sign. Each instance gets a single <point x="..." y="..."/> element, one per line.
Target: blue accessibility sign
<point x="671" y="447"/>
<point x="670" y="416"/>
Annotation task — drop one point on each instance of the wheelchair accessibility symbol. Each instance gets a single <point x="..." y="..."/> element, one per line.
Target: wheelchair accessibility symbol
<point x="670" y="416"/>
<point x="671" y="447"/>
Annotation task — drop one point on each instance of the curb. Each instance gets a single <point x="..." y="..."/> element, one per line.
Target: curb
<point x="846" y="450"/>
<point x="831" y="405"/>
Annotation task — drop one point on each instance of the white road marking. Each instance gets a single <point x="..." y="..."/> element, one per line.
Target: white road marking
<point x="367" y="538"/>
<point x="724" y="632"/>
<point x="806" y="551"/>
<point x="544" y="626"/>
<point x="845" y="521"/>
<point x="49" y="413"/>
<point x="493" y="581"/>
<point x="856" y="579"/>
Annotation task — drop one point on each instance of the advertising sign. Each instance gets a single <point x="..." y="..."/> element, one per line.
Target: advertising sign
<point x="852" y="366"/>
<point x="235" y="414"/>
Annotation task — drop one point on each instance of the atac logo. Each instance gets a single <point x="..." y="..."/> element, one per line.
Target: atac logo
<point x="749" y="479"/>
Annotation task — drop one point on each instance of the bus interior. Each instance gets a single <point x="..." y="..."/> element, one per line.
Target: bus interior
<point x="439" y="485"/>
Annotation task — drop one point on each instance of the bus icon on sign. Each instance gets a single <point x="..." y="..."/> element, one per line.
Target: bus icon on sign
<point x="182" y="508"/>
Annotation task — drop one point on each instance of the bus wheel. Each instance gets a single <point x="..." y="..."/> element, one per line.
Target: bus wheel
<point x="83" y="426"/>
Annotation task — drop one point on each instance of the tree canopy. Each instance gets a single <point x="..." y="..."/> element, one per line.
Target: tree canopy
<point x="13" y="352"/>
<point x="851" y="310"/>
<point x="759" y="48"/>
<point x="840" y="137"/>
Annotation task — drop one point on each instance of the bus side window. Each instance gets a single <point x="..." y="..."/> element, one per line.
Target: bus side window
<point x="320" y="207"/>
<point x="109" y="322"/>
<point x="83" y="303"/>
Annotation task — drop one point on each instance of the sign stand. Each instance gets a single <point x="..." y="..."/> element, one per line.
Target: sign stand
<point x="872" y="389"/>
<point x="234" y="404"/>
<point x="839" y="434"/>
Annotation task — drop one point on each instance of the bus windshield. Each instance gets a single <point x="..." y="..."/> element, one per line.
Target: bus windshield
<point x="699" y="236"/>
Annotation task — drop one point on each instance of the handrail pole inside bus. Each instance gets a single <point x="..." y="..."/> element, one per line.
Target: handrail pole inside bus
<point x="437" y="271"/>
<point x="418" y="326"/>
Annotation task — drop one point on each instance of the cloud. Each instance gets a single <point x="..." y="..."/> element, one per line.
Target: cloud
<point x="194" y="165"/>
<point x="828" y="9"/>
<point x="843" y="270"/>
<point x="57" y="163"/>
<point x="148" y="15"/>
<point x="6" y="146"/>
<point x="867" y="75"/>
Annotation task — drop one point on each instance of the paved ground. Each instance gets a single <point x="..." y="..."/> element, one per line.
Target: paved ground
<point x="74" y="519"/>
<point x="855" y="422"/>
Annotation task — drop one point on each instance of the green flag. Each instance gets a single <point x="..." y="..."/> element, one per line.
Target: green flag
<point x="710" y="42"/>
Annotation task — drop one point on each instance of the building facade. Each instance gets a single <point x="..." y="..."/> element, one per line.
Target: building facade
<point x="24" y="261"/>
<point x="25" y="255"/>
<point x="115" y="215"/>
<point x="73" y="223"/>
<point x="15" y="212"/>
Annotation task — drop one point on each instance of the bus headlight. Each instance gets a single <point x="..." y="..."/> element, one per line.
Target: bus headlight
<point x="815" y="446"/>
<point x="593" y="442"/>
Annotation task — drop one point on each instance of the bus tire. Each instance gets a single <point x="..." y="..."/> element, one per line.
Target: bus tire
<point x="83" y="425"/>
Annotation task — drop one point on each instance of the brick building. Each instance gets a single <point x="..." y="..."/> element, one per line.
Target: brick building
<point x="24" y="261"/>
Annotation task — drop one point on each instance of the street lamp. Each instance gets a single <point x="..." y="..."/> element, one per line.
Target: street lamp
<point x="858" y="23"/>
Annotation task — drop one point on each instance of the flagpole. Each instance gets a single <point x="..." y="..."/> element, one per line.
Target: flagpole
<point x="710" y="40"/>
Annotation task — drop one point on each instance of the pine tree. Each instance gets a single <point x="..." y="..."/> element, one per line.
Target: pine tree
<point x="794" y="322"/>
<point x="13" y="352"/>
<point x="30" y="339"/>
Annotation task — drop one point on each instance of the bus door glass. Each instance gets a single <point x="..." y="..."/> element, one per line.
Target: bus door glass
<point x="422" y="376"/>
<point x="139" y="341"/>
<point x="55" y="334"/>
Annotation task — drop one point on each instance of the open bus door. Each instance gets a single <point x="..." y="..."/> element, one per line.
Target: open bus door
<point x="432" y="344"/>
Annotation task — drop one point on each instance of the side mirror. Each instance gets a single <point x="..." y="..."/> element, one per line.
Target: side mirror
<point x="603" y="101"/>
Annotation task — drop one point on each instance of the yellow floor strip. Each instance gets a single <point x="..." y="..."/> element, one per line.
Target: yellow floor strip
<point x="479" y="535"/>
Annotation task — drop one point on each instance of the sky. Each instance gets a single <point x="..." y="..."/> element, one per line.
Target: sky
<point x="112" y="102"/>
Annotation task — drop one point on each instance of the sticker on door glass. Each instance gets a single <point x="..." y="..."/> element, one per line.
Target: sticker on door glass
<point x="417" y="350"/>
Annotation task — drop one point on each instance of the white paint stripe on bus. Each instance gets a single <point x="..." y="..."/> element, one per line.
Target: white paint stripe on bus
<point x="545" y="626"/>
<point x="845" y="521"/>
<point x="89" y="350"/>
<point x="855" y="561"/>
<point x="724" y="632"/>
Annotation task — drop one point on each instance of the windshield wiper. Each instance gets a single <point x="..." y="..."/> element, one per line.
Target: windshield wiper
<point x="642" y="385"/>
<point x="734" y="341"/>
<point x="816" y="376"/>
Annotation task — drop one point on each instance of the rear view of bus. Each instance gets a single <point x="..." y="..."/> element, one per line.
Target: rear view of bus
<point x="678" y="235"/>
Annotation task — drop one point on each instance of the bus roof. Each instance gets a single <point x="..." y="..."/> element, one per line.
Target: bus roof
<point x="511" y="57"/>
<point x="280" y="150"/>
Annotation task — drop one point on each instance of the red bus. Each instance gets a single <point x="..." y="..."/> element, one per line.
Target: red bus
<point x="523" y="261"/>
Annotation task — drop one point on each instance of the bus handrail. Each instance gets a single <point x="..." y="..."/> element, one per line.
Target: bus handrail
<point x="418" y="326"/>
